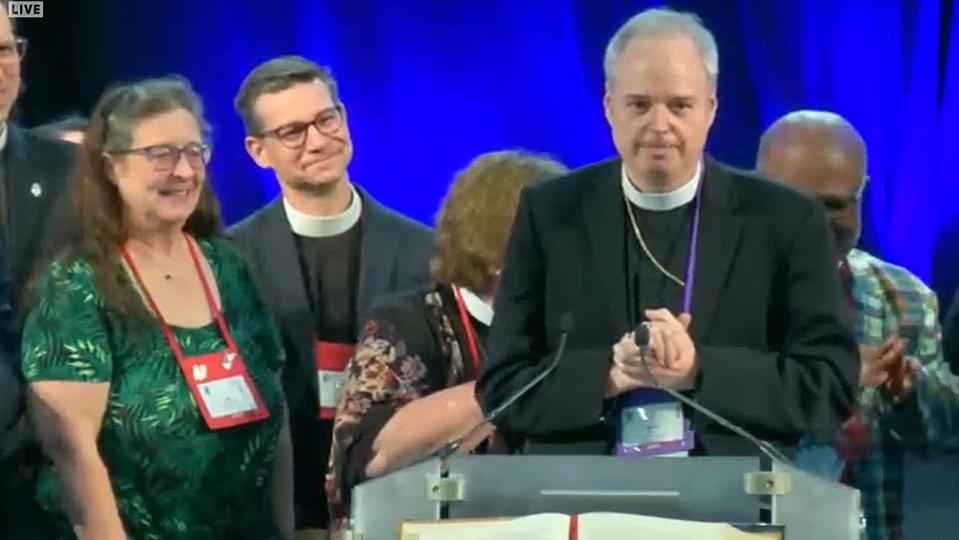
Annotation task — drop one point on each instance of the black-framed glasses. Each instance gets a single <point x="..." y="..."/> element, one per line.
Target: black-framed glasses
<point x="13" y="51"/>
<point x="164" y="157"/>
<point x="327" y="122"/>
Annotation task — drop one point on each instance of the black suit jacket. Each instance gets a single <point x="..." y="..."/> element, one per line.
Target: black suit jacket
<point x="35" y="173"/>
<point x="9" y="379"/>
<point x="394" y="255"/>
<point x="773" y="354"/>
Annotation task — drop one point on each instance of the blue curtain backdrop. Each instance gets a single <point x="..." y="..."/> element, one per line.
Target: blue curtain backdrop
<point x="430" y="84"/>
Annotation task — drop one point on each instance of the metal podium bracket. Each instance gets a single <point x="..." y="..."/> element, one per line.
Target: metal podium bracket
<point x="766" y="483"/>
<point x="449" y="489"/>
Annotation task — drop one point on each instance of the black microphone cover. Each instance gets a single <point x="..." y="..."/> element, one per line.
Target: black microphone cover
<point x="642" y="335"/>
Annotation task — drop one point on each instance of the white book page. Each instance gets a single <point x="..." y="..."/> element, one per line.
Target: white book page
<point x="535" y="527"/>
<point x="612" y="526"/>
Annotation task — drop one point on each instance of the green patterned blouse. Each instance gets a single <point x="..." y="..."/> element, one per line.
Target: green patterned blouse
<point x="172" y="477"/>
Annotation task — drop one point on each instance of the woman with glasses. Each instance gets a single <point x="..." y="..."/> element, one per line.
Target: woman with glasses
<point x="408" y="388"/>
<point x="151" y="361"/>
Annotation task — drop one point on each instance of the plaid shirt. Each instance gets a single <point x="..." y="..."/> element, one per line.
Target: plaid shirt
<point x="889" y="301"/>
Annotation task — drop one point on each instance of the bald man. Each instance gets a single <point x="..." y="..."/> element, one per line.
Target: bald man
<point x="908" y="396"/>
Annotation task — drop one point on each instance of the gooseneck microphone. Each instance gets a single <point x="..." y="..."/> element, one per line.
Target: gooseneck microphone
<point x="642" y="341"/>
<point x="565" y="327"/>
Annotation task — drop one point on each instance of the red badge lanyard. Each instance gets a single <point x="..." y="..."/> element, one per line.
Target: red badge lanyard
<point x="240" y="402"/>
<point x="167" y="331"/>
<point x="468" y="330"/>
<point x="845" y="277"/>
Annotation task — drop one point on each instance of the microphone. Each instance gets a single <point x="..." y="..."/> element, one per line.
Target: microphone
<point x="565" y="327"/>
<point x="642" y="341"/>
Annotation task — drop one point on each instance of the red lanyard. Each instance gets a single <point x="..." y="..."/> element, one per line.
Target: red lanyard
<point x="845" y="277"/>
<point x="468" y="330"/>
<point x="167" y="332"/>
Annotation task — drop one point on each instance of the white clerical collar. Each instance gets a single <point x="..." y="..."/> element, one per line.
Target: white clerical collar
<point x="3" y="136"/>
<point x="477" y="308"/>
<point x="312" y="226"/>
<point x="663" y="201"/>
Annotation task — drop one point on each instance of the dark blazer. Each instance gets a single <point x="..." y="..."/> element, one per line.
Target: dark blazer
<point x="35" y="172"/>
<point x="394" y="255"/>
<point x="773" y="354"/>
<point x="9" y="381"/>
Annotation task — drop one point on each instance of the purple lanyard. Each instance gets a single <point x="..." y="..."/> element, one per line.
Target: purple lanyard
<point x="693" y="242"/>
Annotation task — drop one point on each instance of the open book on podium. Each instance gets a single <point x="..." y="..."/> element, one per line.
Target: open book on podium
<point x="467" y="497"/>
<point x="589" y="526"/>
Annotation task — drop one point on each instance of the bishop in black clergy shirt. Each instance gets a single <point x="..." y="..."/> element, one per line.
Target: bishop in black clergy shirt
<point x="323" y="253"/>
<point x="731" y="272"/>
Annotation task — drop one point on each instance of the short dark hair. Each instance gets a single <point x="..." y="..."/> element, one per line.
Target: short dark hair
<point x="70" y="122"/>
<point x="274" y="76"/>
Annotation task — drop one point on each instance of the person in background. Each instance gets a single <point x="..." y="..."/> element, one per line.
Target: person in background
<point x="322" y="252"/>
<point x="33" y="171"/>
<point x="153" y="365"/>
<point x="908" y="397"/>
<point x="409" y="386"/>
<point x="70" y="129"/>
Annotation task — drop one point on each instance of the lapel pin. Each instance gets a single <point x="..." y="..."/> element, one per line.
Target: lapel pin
<point x="36" y="190"/>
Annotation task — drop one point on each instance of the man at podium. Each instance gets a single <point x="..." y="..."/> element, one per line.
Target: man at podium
<point x="730" y="274"/>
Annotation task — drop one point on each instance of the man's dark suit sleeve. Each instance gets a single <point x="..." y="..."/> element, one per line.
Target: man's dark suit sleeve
<point x="11" y="385"/>
<point x="807" y="385"/>
<point x="9" y="396"/>
<point x="520" y="347"/>
<point x="950" y="336"/>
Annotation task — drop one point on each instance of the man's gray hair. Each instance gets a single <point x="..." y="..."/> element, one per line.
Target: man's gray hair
<point x="659" y="21"/>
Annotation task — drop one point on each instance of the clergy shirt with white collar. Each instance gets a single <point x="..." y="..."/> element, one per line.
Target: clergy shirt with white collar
<point x="312" y="226"/>
<point x="328" y="251"/>
<point x="659" y="202"/>
<point x="657" y="247"/>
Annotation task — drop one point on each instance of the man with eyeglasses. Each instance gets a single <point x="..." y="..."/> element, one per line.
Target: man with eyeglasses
<point x="32" y="173"/>
<point x="323" y="252"/>
<point x="908" y="397"/>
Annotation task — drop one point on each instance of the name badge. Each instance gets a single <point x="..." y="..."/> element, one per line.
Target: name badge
<point x="652" y="423"/>
<point x="223" y="389"/>
<point x="227" y="397"/>
<point x="331" y="360"/>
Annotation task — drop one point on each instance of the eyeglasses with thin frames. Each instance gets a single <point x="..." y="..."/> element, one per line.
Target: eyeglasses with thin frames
<point x="13" y="51"/>
<point x="293" y="136"/>
<point x="164" y="157"/>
